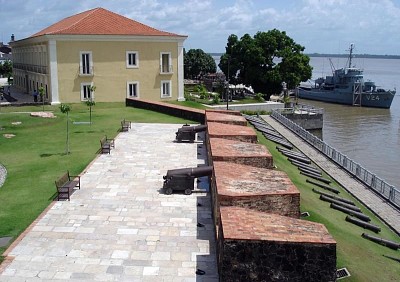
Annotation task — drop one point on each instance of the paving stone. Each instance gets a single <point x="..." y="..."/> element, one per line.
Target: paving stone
<point x="119" y="226"/>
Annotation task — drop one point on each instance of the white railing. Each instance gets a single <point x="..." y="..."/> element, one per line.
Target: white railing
<point x="166" y="69"/>
<point x="386" y="190"/>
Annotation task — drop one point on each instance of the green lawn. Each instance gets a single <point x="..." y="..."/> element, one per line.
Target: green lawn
<point x="364" y="259"/>
<point x="36" y="157"/>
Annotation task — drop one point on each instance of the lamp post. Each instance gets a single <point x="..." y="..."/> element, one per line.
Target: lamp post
<point x="227" y="91"/>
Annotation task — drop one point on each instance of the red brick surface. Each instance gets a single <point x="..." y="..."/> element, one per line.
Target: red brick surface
<point x="236" y="113"/>
<point x="241" y="180"/>
<point x="256" y="188"/>
<point x="244" y="224"/>
<point x="240" y="152"/>
<point x="225" y="118"/>
<point x="232" y="132"/>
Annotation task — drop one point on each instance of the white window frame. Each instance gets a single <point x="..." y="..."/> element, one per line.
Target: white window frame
<point x="163" y="82"/>
<point x="128" y="89"/>
<point x="89" y="72"/>
<point x="83" y="86"/>
<point x="169" y="66"/>
<point x="132" y="66"/>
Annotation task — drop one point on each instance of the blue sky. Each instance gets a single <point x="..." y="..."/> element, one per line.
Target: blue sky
<point x="322" y="26"/>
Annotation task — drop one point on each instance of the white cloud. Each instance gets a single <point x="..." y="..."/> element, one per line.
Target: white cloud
<point x="319" y="25"/>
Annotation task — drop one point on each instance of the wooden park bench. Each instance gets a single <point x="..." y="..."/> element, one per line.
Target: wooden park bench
<point x="66" y="184"/>
<point x="125" y="125"/>
<point x="106" y="145"/>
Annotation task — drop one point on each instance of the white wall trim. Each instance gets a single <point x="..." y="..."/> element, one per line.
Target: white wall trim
<point x="170" y="89"/>
<point x="55" y="99"/>
<point x="181" y="89"/>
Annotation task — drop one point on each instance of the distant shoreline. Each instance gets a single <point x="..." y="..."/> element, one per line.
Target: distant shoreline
<point x="340" y="55"/>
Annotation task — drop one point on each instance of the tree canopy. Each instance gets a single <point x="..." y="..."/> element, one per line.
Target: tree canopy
<point x="6" y="68"/>
<point x="198" y="63"/>
<point x="265" y="61"/>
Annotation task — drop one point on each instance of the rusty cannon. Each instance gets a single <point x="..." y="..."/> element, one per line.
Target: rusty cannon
<point x="188" y="133"/>
<point x="182" y="179"/>
<point x="383" y="242"/>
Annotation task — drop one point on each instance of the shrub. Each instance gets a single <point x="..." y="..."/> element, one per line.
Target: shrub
<point x="259" y="97"/>
<point x="215" y="99"/>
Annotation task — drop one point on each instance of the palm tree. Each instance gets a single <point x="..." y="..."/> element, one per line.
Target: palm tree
<point x="65" y="109"/>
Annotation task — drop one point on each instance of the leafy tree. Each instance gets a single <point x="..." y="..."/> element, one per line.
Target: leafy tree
<point x="198" y="63"/>
<point x="265" y="61"/>
<point x="6" y="68"/>
<point x="65" y="109"/>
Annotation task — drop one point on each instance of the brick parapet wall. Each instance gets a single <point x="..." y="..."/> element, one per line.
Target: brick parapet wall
<point x="212" y="116"/>
<point x="240" y="152"/>
<point x="257" y="246"/>
<point x="169" y="109"/>
<point x="256" y="188"/>
<point x="235" y="113"/>
<point x="232" y="132"/>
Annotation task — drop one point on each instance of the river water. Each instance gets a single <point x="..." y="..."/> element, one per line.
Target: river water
<point x="368" y="136"/>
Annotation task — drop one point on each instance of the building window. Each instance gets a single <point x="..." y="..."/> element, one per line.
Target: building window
<point x="165" y="62"/>
<point x="86" y="63"/>
<point x="132" y="89"/>
<point x="132" y="59"/>
<point x="86" y="93"/>
<point x="165" y="88"/>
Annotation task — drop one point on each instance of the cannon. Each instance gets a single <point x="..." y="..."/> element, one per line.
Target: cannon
<point x="350" y="212"/>
<point x="188" y="133"/>
<point x="384" y="242"/>
<point x="182" y="179"/>
<point x="363" y="224"/>
<point x="323" y="186"/>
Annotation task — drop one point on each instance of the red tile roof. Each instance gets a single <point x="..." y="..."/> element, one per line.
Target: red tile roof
<point x="100" y="21"/>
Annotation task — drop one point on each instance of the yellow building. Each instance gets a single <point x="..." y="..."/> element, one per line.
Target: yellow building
<point x="119" y="56"/>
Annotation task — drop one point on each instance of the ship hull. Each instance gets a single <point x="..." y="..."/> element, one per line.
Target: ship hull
<point x="375" y="99"/>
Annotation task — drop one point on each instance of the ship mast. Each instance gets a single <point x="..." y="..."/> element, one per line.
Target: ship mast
<point x="351" y="53"/>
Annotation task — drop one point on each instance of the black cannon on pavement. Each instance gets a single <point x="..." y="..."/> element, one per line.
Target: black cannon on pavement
<point x="182" y="179"/>
<point x="188" y="133"/>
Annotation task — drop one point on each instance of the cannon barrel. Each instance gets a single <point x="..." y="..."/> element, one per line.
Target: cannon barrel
<point x="294" y="154"/>
<point x="200" y="128"/>
<point x="323" y="186"/>
<point x="350" y="212"/>
<point x="334" y="197"/>
<point x="192" y="171"/>
<point x="308" y="170"/>
<point x="308" y="167"/>
<point x="197" y="128"/>
<point x="299" y="159"/>
<point x="393" y="258"/>
<point x="331" y="200"/>
<point x="384" y="242"/>
<point x="315" y="176"/>
<point x="363" y="224"/>
<point x="283" y="150"/>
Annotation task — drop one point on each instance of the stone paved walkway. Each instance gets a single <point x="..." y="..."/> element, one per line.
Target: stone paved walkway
<point x="379" y="206"/>
<point x="119" y="226"/>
